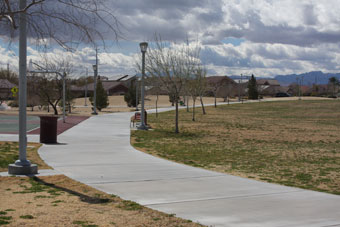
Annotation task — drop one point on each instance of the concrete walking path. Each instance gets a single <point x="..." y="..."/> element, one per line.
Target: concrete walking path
<point x="97" y="152"/>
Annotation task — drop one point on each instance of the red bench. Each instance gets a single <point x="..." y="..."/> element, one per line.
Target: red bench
<point x="135" y="118"/>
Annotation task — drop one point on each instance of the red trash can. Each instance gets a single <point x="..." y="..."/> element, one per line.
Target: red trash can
<point x="48" y="129"/>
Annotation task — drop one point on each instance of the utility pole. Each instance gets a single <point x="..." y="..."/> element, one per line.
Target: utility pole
<point x="241" y="88"/>
<point x="137" y="93"/>
<point x="86" y="86"/>
<point x="95" y="68"/>
<point x="64" y="94"/>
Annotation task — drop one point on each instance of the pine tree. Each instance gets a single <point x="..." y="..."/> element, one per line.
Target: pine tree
<point x="102" y="101"/>
<point x="252" y="88"/>
<point x="130" y="96"/>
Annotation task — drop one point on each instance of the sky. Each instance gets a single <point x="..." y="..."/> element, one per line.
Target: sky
<point x="260" y="37"/>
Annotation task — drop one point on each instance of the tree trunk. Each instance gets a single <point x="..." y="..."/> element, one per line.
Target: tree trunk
<point x="55" y="109"/>
<point x="176" y="123"/>
<point x="203" y="109"/>
<point x="157" y="105"/>
<point x="215" y="100"/>
<point x="187" y="104"/>
<point x="193" y="109"/>
<point x="69" y="107"/>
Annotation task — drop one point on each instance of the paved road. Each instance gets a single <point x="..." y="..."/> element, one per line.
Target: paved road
<point x="98" y="152"/>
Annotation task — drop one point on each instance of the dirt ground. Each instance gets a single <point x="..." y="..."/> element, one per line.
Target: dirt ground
<point x="60" y="201"/>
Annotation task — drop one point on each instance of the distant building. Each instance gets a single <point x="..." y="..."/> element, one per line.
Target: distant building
<point x="222" y="86"/>
<point x="269" y="87"/>
<point x="112" y="87"/>
<point x="5" y="88"/>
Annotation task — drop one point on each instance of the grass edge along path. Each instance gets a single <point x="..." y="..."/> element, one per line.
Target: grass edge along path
<point x="293" y="143"/>
<point x="49" y="200"/>
<point x="9" y="153"/>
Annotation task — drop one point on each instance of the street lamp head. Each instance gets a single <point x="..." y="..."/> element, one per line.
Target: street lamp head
<point x="143" y="46"/>
<point x="94" y="67"/>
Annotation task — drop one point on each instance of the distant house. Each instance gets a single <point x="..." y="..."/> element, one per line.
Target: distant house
<point x="220" y="86"/>
<point x="127" y="79"/>
<point x="5" y="88"/>
<point x="304" y="90"/>
<point x="111" y="88"/>
<point x="269" y="87"/>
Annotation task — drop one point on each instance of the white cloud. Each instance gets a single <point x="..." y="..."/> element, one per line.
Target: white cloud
<point x="280" y="36"/>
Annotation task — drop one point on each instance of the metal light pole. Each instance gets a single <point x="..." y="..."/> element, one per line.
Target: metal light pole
<point x="22" y="88"/>
<point x="143" y="47"/>
<point x="86" y="87"/>
<point x="136" y="93"/>
<point x="95" y="69"/>
<point x="22" y="166"/>
<point x="64" y="94"/>
<point x="241" y="88"/>
<point x="95" y="90"/>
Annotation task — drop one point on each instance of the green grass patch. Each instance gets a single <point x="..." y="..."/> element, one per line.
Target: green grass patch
<point x="130" y="205"/>
<point x="84" y="223"/>
<point x="8" y="154"/>
<point x="28" y="216"/>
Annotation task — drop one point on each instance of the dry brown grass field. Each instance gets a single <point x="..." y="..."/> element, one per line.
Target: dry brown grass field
<point x="295" y="143"/>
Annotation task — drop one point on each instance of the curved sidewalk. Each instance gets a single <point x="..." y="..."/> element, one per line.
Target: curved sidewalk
<point x="97" y="152"/>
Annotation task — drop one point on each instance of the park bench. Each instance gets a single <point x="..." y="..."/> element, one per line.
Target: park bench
<point x="135" y="118"/>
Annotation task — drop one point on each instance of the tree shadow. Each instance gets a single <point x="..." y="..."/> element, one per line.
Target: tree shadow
<point x="82" y="197"/>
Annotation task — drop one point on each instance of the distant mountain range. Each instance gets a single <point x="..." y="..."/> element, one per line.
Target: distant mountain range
<point x="315" y="77"/>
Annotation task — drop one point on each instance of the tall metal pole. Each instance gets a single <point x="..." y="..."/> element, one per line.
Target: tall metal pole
<point x="64" y="94"/>
<point x="22" y="166"/>
<point x="22" y="87"/>
<point x="241" y="88"/>
<point x="95" y="85"/>
<point x="142" y="92"/>
<point x="86" y="87"/>
<point x="137" y="93"/>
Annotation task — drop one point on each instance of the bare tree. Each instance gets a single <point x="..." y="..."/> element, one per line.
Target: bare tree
<point x="214" y="87"/>
<point x="226" y="90"/>
<point x="172" y="64"/>
<point x="49" y="86"/>
<point x="196" y="87"/>
<point x="193" y="91"/>
<point x="61" y="21"/>
<point x="33" y="99"/>
<point x="202" y="86"/>
<point x="156" y="89"/>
